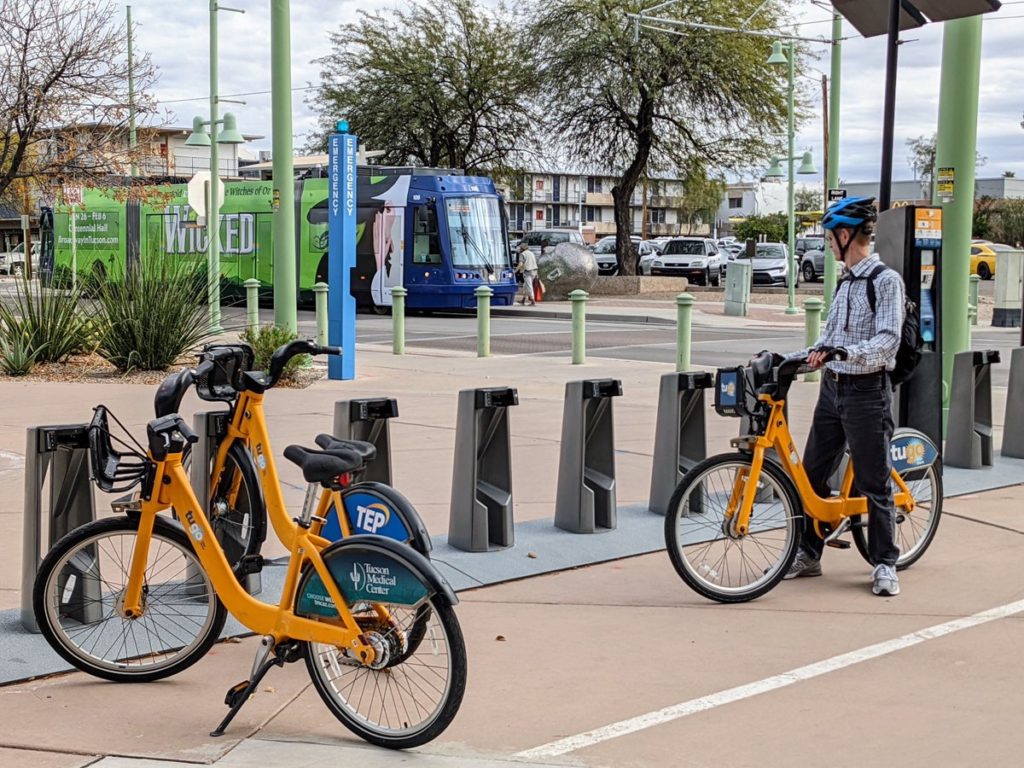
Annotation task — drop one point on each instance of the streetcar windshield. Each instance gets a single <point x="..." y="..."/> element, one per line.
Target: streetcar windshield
<point x="477" y="233"/>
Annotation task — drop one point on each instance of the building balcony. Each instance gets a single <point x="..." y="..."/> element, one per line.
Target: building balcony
<point x="602" y="227"/>
<point x="599" y="198"/>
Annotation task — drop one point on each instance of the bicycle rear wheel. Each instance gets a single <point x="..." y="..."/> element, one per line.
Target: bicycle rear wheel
<point x="412" y="698"/>
<point x="78" y="592"/>
<point x="914" y="530"/>
<point x="707" y="556"/>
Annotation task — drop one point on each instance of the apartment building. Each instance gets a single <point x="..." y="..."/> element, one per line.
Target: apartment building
<point x="543" y="200"/>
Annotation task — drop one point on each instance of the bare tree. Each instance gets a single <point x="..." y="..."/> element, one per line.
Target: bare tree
<point x="64" y="98"/>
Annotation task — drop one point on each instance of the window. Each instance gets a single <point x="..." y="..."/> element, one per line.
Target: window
<point x="591" y="213"/>
<point x="735" y="202"/>
<point x="975" y="251"/>
<point x="426" y="245"/>
<point x="656" y="215"/>
<point x="538" y="215"/>
<point x="539" y="185"/>
<point x="477" y="233"/>
<point x="684" y="247"/>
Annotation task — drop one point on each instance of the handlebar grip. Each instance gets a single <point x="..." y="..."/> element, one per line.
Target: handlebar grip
<point x="186" y="431"/>
<point x="328" y="351"/>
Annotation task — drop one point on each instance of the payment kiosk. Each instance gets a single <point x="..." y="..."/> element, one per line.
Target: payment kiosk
<point x="909" y="239"/>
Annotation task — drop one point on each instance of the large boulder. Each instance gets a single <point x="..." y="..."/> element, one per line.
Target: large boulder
<point x="565" y="268"/>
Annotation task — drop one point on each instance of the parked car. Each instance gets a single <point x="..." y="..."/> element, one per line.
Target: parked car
<point x="983" y="260"/>
<point x="13" y="262"/>
<point x="811" y="243"/>
<point x="541" y="240"/>
<point x="770" y="264"/>
<point x="812" y="265"/>
<point x="695" y="258"/>
<point x="607" y="259"/>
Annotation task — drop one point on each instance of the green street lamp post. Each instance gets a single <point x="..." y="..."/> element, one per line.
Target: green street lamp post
<point x="230" y="135"/>
<point x="785" y="53"/>
<point x="285" y="309"/>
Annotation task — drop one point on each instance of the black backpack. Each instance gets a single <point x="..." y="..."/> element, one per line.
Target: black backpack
<point x="909" y="353"/>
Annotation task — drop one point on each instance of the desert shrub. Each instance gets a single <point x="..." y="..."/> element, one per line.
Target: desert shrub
<point x="50" y="324"/>
<point x="264" y="340"/>
<point x="152" y="316"/>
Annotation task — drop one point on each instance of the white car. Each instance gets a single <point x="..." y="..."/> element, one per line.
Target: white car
<point x="13" y="262"/>
<point x="607" y="260"/>
<point x="695" y="258"/>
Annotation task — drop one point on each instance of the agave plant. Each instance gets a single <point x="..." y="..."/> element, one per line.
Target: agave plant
<point x="50" y="324"/>
<point x="152" y="316"/>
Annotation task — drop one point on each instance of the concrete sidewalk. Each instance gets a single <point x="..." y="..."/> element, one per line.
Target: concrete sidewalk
<point x="557" y="625"/>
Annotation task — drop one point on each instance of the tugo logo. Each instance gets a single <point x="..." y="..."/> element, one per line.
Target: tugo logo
<point x="373" y="517"/>
<point x="194" y="529"/>
<point x="912" y="452"/>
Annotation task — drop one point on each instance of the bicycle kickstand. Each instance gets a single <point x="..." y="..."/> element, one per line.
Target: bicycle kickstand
<point x="239" y="693"/>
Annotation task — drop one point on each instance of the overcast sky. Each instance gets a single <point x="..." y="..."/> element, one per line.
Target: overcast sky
<point x="176" y="35"/>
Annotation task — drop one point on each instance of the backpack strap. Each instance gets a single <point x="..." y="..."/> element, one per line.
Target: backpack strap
<point x="870" y="277"/>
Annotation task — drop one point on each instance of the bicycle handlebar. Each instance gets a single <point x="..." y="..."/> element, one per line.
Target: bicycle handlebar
<point x="283" y="354"/>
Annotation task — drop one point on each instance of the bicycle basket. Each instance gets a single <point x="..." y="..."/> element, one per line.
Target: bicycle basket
<point x="223" y="381"/>
<point x="731" y="390"/>
<point x="115" y="471"/>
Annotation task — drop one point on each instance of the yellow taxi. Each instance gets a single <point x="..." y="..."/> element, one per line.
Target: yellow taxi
<point x="983" y="260"/>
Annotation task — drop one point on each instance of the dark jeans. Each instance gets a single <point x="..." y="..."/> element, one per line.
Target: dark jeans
<point x="857" y="413"/>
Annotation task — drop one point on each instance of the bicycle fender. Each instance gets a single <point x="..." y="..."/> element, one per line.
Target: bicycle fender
<point x="910" y="449"/>
<point x="376" y="508"/>
<point x="371" y="569"/>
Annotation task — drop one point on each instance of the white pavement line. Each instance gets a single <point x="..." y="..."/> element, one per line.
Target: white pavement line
<point x="704" y="703"/>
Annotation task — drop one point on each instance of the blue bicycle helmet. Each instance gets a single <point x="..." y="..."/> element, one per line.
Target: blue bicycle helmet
<point x="850" y="212"/>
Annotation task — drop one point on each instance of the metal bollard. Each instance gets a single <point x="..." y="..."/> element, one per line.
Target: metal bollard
<point x="684" y="311"/>
<point x="252" y="304"/>
<point x="579" y="326"/>
<point x="320" y="294"/>
<point x="972" y="301"/>
<point x="398" y="295"/>
<point x="483" y="320"/>
<point x="812" y="322"/>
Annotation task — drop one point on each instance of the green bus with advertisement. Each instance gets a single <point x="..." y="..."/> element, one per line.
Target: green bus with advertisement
<point x="438" y="235"/>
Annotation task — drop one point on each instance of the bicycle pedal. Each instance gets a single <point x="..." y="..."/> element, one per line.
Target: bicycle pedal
<point x="235" y="692"/>
<point x="838" y="543"/>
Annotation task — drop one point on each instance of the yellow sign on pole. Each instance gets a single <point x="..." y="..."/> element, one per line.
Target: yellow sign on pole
<point x="945" y="183"/>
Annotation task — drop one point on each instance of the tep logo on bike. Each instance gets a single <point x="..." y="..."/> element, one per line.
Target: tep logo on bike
<point x="857" y="351"/>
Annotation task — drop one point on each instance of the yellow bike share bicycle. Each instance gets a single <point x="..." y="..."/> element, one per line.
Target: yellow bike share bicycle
<point x="735" y="520"/>
<point x="141" y="596"/>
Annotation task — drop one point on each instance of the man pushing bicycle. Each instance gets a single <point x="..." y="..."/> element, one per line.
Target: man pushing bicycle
<point x="857" y="350"/>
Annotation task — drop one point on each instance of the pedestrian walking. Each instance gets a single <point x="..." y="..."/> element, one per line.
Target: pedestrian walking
<point x="527" y="267"/>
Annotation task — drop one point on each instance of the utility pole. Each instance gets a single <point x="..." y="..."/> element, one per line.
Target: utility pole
<point x="132" y="135"/>
<point x="832" y="151"/>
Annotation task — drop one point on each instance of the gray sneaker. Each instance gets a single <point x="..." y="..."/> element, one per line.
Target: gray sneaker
<point x="884" y="581"/>
<point x="803" y="565"/>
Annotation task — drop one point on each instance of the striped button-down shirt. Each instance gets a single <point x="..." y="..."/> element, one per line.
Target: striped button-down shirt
<point x="871" y="339"/>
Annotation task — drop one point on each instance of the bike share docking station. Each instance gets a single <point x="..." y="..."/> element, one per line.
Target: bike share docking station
<point x="585" y="500"/>
<point x="62" y="453"/>
<point x="1013" y="423"/>
<point x="367" y="420"/>
<point x="481" y="503"/>
<point x="680" y="437"/>
<point x="969" y="444"/>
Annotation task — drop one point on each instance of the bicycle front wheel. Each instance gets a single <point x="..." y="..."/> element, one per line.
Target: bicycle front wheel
<point x="411" y="698"/>
<point x="914" y="530"/>
<point x="707" y="555"/>
<point x="78" y="595"/>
